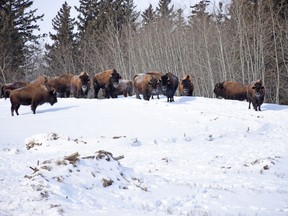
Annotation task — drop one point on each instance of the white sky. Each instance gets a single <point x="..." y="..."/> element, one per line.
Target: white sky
<point x="51" y="7"/>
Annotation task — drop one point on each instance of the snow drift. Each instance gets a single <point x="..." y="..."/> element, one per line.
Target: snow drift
<point x="196" y="156"/>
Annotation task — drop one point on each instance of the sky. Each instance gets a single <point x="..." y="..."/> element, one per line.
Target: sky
<point x="195" y="156"/>
<point x="51" y="7"/>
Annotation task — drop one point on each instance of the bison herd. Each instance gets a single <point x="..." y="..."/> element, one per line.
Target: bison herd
<point x="46" y="90"/>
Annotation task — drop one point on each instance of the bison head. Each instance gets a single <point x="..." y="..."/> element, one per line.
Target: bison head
<point x="114" y="78"/>
<point x="156" y="85"/>
<point x="52" y="97"/>
<point x="186" y="86"/>
<point x="259" y="89"/>
<point x="165" y="82"/>
<point x="85" y="81"/>
<point x="218" y="89"/>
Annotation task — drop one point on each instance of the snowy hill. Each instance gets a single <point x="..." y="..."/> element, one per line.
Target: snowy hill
<point x="196" y="156"/>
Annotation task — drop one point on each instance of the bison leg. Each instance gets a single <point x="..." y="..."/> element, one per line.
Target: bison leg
<point x="12" y="110"/>
<point x="67" y="93"/>
<point x="106" y="93"/>
<point x="130" y="93"/>
<point x="33" y="107"/>
<point x="114" y="95"/>
<point x="147" y="97"/>
<point x="254" y="106"/>
<point x="249" y="106"/>
<point x="171" y="99"/>
<point x="96" y="90"/>
<point x="14" y="107"/>
<point x="17" y="108"/>
<point x="138" y="95"/>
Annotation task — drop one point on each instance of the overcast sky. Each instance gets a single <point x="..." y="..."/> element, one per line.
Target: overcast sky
<point x="51" y="7"/>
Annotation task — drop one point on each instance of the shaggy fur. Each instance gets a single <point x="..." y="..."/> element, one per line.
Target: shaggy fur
<point x="157" y="75"/>
<point x="7" y="88"/>
<point x="108" y="81"/>
<point x="186" y="87"/>
<point x="61" y="84"/>
<point x="230" y="90"/>
<point x="125" y="87"/>
<point x="33" y="95"/>
<point x="146" y="85"/>
<point x="80" y="85"/>
<point x="41" y="80"/>
<point x="169" y="85"/>
<point x="256" y="94"/>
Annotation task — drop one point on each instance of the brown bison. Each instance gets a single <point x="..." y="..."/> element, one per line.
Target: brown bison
<point x="147" y="85"/>
<point x="125" y="87"/>
<point x="108" y="81"/>
<point x="33" y="95"/>
<point x="230" y="90"/>
<point x="61" y="84"/>
<point x="169" y="85"/>
<point x="157" y="75"/>
<point x="80" y="85"/>
<point x="256" y="94"/>
<point x="41" y="80"/>
<point x="186" y="87"/>
<point x="7" y="88"/>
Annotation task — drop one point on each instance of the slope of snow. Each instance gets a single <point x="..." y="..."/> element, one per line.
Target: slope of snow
<point x="196" y="156"/>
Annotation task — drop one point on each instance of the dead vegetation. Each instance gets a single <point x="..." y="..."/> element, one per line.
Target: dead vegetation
<point x="32" y="144"/>
<point x="48" y="167"/>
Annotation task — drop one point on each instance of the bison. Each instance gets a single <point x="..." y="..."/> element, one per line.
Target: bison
<point x="32" y="95"/>
<point x="169" y="85"/>
<point x="186" y="87"/>
<point x="61" y="84"/>
<point x="41" y="80"/>
<point x="230" y="90"/>
<point x="256" y="94"/>
<point x="146" y="84"/>
<point x="7" y="88"/>
<point x="125" y="87"/>
<point x="157" y="75"/>
<point x="80" y="85"/>
<point x="108" y="81"/>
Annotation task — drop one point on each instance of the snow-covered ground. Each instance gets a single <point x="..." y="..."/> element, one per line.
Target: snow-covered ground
<point x="196" y="156"/>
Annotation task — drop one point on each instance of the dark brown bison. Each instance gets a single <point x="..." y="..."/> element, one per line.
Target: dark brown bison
<point x="108" y="81"/>
<point x="256" y="94"/>
<point x="7" y="88"/>
<point x="33" y="95"/>
<point x="80" y="85"/>
<point x="125" y="87"/>
<point x="157" y="75"/>
<point x="61" y="84"/>
<point x="169" y="85"/>
<point x="147" y="85"/>
<point x="230" y="90"/>
<point x="186" y="87"/>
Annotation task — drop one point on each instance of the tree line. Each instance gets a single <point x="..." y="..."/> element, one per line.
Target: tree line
<point x="242" y="41"/>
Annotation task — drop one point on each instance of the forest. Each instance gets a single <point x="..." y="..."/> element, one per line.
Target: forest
<point x="241" y="41"/>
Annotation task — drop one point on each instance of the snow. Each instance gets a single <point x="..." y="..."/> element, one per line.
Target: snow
<point x="195" y="156"/>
